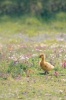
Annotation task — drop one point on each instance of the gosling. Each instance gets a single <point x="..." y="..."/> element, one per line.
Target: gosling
<point x="45" y="65"/>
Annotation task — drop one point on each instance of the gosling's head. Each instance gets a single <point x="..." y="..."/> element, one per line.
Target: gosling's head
<point x="42" y="56"/>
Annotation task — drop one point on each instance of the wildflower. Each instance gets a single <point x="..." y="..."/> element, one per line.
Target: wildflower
<point x="64" y="64"/>
<point x="56" y="74"/>
<point x="22" y="57"/>
<point x="27" y="58"/>
<point x="13" y="57"/>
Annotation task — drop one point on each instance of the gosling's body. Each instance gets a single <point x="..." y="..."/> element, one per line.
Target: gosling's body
<point x="45" y="65"/>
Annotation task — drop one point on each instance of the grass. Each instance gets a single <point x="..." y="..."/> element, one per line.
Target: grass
<point x="15" y="81"/>
<point x="21" y="77"/>
<point x="36" y="87"/>
<point x="32" y="25"/>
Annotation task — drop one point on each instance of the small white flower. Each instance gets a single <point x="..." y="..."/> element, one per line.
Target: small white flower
<point x="34" y="55"/>
<point x="64" y="80"/>
<point x="61" y="91"/>
<point x="27" y="58"/>
<point x="22" y="58"/>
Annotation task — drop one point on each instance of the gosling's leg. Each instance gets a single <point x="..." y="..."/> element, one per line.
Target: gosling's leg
<point x="46" y="72"/>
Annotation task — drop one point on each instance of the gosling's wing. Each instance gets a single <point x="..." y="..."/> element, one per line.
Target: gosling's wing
<point x="49" y="66"/>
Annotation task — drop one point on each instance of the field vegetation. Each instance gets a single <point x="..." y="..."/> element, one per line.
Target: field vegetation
<point x="21" y="77"/>
<point x="28" y="29"/>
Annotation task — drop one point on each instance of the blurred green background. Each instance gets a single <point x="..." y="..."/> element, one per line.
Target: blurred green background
<point x="32" y="17"/>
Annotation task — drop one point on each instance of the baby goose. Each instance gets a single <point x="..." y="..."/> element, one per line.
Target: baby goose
<point x="45" y="65"/>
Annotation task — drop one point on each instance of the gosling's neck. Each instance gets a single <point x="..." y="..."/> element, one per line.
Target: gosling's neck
<point x="43" y="59"/>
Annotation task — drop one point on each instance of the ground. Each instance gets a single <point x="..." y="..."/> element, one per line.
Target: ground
<point x="37" y="87"/>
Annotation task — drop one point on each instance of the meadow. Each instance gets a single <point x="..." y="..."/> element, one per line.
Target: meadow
<point x="21" y="43"/>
